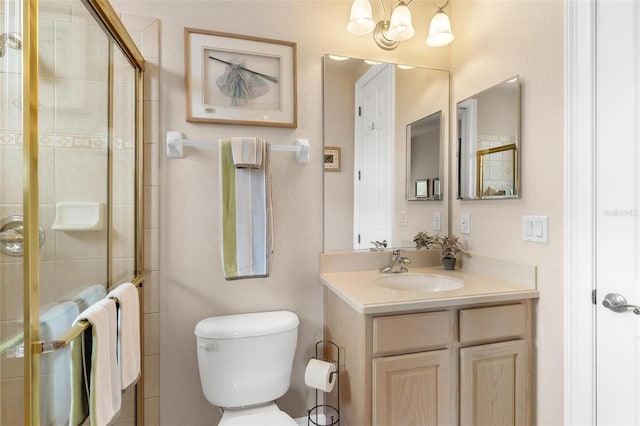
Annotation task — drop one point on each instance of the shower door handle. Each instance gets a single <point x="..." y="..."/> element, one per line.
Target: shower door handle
<point x="618" y="303"/>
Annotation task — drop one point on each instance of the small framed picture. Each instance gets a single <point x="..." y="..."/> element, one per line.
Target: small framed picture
<point x="239" y="79"/>
<point x="331" y="158"/>
<point x="422" y="190"/>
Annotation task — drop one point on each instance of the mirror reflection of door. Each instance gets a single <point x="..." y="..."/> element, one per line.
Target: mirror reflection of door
<point x="373" y="177"/>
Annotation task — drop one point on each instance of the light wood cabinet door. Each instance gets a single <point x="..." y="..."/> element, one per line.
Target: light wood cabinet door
<point x="494" y="384"/>
<point x="412" y="390"/>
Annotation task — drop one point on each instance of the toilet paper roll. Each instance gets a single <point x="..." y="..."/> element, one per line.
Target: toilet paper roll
<point x="318" y="375"/>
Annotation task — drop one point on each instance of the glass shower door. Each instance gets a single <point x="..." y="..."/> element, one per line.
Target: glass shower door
<point x="73" y="174"/>
<point x="11" y="165"/>
<point x="85" y="201"/>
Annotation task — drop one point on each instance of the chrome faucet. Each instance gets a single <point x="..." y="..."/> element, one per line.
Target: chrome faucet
<point x="379" y="245"/>
<point x="396" y="264"/>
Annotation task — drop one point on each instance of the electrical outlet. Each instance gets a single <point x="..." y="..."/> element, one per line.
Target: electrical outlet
<point x="465" y="223"/>
<point x="437" y="226"/>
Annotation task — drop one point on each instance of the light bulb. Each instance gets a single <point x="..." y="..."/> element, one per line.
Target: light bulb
<point x="440" y="30"/>
<point x="361" y="18"/>
<point x="400" y="27"/>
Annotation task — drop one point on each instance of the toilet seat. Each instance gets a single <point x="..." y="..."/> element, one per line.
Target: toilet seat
<point x="262" y="415"/>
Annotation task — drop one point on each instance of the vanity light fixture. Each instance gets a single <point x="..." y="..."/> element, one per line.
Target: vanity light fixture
<point x="389" y="33"/>
<point x="440" y="28"/>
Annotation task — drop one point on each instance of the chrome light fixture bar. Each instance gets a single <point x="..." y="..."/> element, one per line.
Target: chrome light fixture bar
<point x="389" y="33"/>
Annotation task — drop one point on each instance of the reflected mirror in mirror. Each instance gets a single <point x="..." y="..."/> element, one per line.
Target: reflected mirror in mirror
<point x="368" y="108"/>
<point x="423" y="158"/>
<point x="489" y="143"/>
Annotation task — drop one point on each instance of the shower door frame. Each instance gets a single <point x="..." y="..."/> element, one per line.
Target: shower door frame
<point x="115" y="30"/>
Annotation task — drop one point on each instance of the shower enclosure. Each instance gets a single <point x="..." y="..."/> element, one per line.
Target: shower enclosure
<point x="70" y="190"/>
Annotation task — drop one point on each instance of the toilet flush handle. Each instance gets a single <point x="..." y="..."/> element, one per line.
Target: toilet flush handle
<point x="209" y="346"/>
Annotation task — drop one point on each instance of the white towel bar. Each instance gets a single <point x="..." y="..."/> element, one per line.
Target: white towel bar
<point x="175" y="144"/>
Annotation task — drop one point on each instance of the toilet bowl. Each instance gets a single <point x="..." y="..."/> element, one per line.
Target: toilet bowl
<point x="245" y="364"/>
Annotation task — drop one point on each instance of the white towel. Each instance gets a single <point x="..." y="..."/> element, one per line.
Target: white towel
<point x="55" y="395"/>
<point x="245" y="216"/>
<point x="88" y="296"/>
<point x="247" y="152"/>
<point x="128" y="332"/>
<point x="104" y="383"/>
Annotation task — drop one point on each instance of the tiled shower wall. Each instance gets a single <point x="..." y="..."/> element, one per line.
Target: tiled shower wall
<point x="73" y="166"/>
<point x="145" y="32"/>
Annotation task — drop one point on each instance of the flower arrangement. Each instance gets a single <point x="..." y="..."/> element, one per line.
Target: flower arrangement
<point x="449" y="245"/>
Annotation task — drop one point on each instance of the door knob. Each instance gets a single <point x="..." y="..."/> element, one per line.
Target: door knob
<point x="617" y="303"/>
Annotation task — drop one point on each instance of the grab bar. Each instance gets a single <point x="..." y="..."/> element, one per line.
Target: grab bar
<point x="14" y="350"/>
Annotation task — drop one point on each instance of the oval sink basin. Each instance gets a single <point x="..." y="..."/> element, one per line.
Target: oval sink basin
<point x="419" y="282"/>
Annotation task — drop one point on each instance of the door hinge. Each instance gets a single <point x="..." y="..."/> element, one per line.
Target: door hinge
<point x="359" y="111"/>
<point x="594" y="297"/>
<point x="359" y="175"/>
<point x="358" y="238"/>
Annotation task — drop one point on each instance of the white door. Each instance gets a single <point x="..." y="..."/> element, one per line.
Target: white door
<point x="373" y="180"/>
<point x="617" y="205"/>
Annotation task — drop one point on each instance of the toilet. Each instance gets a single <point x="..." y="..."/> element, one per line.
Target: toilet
<point x="245" y="364"/>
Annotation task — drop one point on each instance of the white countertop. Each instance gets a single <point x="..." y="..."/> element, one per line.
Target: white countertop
<point x="360" y="291"/>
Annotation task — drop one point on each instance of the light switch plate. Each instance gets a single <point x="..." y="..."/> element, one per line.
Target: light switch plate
<point x="465" y="223"/>
<point x="402" y="218"/>
<point x="437" y="223"/>
<point x="535" y="228"/>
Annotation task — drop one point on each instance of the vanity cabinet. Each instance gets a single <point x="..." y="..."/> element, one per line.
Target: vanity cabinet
<point x="408" y="388"/>
<point x="465" y="364"/>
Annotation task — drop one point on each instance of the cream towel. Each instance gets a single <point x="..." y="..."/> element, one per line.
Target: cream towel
<point x="128" y="332"/>
<point x="247" y="152"/>
<point x="104" y="379"/>
<point x="245" y="216"/>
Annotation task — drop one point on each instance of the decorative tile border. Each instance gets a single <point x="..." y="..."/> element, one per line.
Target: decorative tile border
<point x="52" y="140"/>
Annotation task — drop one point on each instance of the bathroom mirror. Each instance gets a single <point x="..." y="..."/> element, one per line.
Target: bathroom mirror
<point x="424" y="138"/>
<point x="370" y="108"/>
<point x="489" y="143"/>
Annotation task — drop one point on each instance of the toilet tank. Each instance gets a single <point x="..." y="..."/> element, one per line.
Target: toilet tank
<point x="246" y="359"/>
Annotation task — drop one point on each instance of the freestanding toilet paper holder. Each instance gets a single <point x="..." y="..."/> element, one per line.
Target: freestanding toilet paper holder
<point x="325" y="414"/>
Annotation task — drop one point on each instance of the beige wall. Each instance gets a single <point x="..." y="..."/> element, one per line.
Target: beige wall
<point x="498" y="40"/>
<point x="494" y="40"/>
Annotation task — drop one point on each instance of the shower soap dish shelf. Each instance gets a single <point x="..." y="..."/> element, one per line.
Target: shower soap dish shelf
<point x="79" y="216"/>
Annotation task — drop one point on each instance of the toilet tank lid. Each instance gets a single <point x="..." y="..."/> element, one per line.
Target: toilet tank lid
<point x="246" y="325"/>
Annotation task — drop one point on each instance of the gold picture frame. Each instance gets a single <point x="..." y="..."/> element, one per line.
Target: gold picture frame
<point x="239" y="79"/>
<point x="332" y="157"/>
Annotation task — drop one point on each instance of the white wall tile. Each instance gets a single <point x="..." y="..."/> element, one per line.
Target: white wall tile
<point x="151" y="207"/>
<point x="81" y="52"/>
<point x="81" y="106"/>
<point x="152" y="122"/>
<point x="151" y="163"/>
<point x="80" y="175"/>
<point x="151" y="376"/>
<point x="152" y="293"/>
<point x="152" y="334"/>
